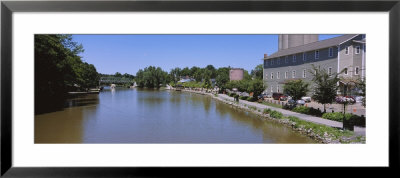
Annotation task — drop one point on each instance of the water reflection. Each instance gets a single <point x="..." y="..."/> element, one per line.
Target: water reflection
<point x="156" y="116"/>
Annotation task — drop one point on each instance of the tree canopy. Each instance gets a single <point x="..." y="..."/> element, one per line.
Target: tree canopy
<point x="151" y="77"/>
<point x="59" y="69"/>
<point x="257" y="72"/>
<point x="325" y="89"/>
<point x="296" y="89"/>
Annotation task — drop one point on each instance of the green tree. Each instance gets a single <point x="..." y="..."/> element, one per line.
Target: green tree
<point x="361" y="84"/>
<point x="256" y="86"/>
<point x="213" y="71"/>
<point x="326" y="87"/>
<point x="296" y="89"/>
<point x="257" y="72"/>
<point x="59" y="69"/>
<point x="117" y="74"/>
<point x="140" y="82"/>
<point x="185" y="72"/>
<point x="246" y="75"/>
<point x="151" y="77"/>
<point x="175" y="74"/>
<point x="198" y="75"/>
<point x="193" y="71"/>
<point x="222" y="77"/>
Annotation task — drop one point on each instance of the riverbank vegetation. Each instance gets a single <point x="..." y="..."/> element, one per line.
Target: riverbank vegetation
<point x="151" y="77"/>
<point x="58" y="70"/>
<point x="319" y="132"/>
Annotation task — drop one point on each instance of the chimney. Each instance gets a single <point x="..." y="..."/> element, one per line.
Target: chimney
<point x="265" y="55"/>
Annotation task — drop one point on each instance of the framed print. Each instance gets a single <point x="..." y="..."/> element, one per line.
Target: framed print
<point x="141" y="88"/>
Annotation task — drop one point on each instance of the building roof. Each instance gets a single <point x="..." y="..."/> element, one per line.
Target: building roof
<point x="313" y="46"/>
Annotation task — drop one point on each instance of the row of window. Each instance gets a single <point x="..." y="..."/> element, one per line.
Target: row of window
<point x="357" y="51"/>
<point x="316" y="55"/>
<point x="278" y="74"/>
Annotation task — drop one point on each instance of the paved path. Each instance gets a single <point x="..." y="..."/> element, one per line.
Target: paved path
<point x="317" y="120"/>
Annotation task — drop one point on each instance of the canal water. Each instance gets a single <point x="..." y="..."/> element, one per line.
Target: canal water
<point x="156" y="116"/>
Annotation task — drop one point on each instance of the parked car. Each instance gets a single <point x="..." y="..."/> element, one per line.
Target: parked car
<point x="352" y="99"/>
<point x="276" y="96"/>
<point x="283" y="98"/>
<point x="300" y="102"/>
<point x="359" y="99"/>
<point x="306" y="99"/>
<point x="291" y="104"/>
<point x="345" y="99"/>
<point x="262" y="96"/>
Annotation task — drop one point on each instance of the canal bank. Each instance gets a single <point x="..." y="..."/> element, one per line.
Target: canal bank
<point x="319" y="129"/>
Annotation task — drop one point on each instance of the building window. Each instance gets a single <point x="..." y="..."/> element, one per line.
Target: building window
<point x="330" y="53"/>
<point x="293" y="74"/>
<point x="278" y="75"/>
<point x="304" y="73"/>
<point x="357" y="70"/>
<point x="286" y="59"/>
<point x="294" y="58"/>
<point x="345" y="71"/>
<point x="346" y="50"/>
<point x="272" y="62"/>
<point x="317" y="54"/>
<point x="286" y="74"/>
<point x="357" y="49"/>
<point x="277" y="88"/>
<point x="330" y="71"/>
<point x="272" y="75"/>
<point x="279" y="61"/>
<point x="304" y="56"/>
<point x="266" y="63"/>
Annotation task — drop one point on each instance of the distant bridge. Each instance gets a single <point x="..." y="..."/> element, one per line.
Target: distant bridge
<point x="115" y="80"/>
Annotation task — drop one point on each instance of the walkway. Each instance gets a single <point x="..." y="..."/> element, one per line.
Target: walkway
<point x="317" y="120"/>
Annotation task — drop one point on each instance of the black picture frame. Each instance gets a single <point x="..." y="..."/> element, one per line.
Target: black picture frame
<point x="8" y="7"/>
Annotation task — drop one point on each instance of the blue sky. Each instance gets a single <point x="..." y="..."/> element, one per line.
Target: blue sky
<point x="129" y="53"/>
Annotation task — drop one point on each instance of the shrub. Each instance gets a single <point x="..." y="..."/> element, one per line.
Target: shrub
<point x="251" y="99"/>
<point x="315" y="112"/>
<point x="301" y="109"/>
<point x="335" y="116"/>
<point x="338" y="116"/>
<point x="267" y="111"/>
<point x="276" y="114"/>
<point x="243" y="97"/>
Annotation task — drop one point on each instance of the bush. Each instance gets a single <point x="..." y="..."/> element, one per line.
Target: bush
<point x="301" y="109"/>
<point x="267" y="111"/>
<point x="335" y="116"/>
<point x="315" y="112"/>
<point x="243" y="97"/>
<point x="338" y="116"/>
<point x="251" y="99"/>
<point x="276" y="114"/>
